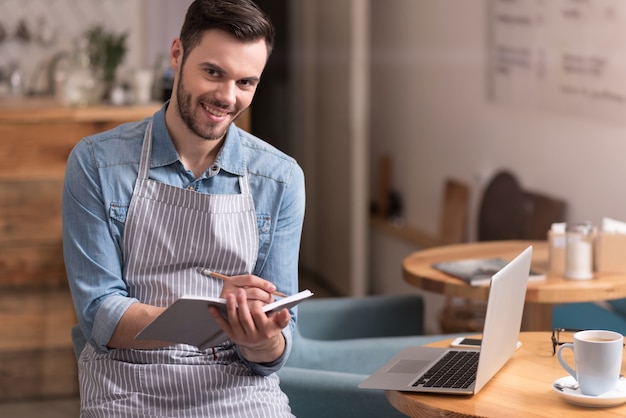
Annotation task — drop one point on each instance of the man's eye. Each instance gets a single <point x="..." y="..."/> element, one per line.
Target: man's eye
<point x="212" y="72"/>
<point x="247" y="83"/>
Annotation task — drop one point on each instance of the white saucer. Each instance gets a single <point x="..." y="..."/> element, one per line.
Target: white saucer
<point x="614" y="397"/>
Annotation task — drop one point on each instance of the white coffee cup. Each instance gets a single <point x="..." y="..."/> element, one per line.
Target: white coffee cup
<point x="143" y="80"/>
<point x="598" y="360"/>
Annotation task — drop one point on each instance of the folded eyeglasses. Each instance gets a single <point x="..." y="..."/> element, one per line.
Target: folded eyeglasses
<point x="557" y="337"/>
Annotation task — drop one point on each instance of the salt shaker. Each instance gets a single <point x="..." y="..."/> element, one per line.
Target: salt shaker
<point x="579" y="251"/>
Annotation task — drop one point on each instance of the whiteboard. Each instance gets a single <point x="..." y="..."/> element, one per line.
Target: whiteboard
<point x="562" y="55"/>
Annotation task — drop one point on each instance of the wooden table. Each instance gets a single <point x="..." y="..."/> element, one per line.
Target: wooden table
<point x="540" y="296"/>
<point x="522" y="388"/>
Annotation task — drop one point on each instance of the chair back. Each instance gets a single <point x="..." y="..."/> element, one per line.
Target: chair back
<point x="502" y="213"/>
<point x="454" y="209"/>
<point x="541" y="212"/>
<point x="509" y="212"/>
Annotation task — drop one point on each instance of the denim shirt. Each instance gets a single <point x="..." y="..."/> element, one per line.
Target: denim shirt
<point x="99" y="181"/>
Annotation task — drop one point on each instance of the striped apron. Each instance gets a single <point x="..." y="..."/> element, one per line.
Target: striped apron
<point x="170" y="235"/>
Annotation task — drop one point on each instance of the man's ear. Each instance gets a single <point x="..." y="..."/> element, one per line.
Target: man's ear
<point x="176" y="54"/>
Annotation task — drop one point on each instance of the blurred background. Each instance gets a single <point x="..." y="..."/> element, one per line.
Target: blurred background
<point x="380" y="102"/>
<point x="41" y="40"/>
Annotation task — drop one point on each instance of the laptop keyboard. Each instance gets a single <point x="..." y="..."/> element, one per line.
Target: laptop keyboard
<point x="455" y="370"/>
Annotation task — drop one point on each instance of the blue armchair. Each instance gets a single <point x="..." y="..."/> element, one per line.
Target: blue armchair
<point x="340" y="341"/>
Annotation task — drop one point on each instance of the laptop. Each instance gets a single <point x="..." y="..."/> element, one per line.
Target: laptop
<point x="410" y="369"/>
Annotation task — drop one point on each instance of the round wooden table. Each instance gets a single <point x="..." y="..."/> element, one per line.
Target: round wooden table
<point x="540" y="296"/>
<point x="523" y="387"/>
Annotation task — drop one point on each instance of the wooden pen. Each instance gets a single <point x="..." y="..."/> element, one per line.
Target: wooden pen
<point x="227" y="278"/>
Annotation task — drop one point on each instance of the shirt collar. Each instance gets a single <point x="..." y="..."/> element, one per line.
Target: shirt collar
<point x="230" y="157"/>
<point x="163" y="151"/>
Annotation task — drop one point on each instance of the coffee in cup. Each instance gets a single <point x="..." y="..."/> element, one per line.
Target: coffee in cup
<point x="597" y="358"/>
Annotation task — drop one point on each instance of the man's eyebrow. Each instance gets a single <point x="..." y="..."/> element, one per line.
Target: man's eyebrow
<point x="207" y="65"/>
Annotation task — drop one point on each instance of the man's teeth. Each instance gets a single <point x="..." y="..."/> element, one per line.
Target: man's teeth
<point x="214" y="111"/>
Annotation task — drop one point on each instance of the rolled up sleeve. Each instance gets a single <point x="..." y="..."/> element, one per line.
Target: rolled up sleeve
<point x="92" y="255"/>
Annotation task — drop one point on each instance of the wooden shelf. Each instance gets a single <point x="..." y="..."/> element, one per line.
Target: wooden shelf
<point x="27" y="110"/>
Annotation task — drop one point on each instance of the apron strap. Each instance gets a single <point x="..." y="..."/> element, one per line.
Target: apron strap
<point x="243" y="184"/>
<point x="146" y="151"/>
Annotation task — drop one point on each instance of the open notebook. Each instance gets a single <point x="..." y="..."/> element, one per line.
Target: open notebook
<point x="189" y="321"/>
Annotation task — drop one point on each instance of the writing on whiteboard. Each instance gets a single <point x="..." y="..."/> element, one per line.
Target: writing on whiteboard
<point x="562" y="55"/>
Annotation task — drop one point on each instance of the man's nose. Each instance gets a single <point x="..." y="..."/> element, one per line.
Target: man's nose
<point x="226" y="92"/>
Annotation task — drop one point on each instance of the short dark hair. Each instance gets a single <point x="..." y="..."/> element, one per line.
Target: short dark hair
<point x="243" y="19"/>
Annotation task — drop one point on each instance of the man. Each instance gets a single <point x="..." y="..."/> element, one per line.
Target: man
<point x="148" y="205"/>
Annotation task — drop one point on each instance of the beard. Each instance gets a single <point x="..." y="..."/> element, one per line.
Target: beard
<point x="186" y="108"/>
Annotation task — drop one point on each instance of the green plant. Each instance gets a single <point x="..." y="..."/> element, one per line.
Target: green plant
<point x="106" y="51"/>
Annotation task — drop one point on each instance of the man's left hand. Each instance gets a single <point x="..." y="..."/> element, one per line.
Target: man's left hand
<point x="259" y="335"/>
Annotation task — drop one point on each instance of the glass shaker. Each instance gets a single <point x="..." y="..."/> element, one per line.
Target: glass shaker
<point x="83" y="84"/>
<point x="579" y="251"/>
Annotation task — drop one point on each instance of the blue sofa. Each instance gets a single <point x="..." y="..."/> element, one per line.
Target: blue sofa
<point x="340" y="341"/>
<point x="610" y="315"/>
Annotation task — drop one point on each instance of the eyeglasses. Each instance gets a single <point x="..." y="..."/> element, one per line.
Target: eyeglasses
<point x="561" y="336"/>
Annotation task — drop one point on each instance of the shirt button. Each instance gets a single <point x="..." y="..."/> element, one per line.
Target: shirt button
<point x="190" y="188"/>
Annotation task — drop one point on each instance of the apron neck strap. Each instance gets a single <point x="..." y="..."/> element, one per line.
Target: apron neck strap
<point x="146" y="152"/>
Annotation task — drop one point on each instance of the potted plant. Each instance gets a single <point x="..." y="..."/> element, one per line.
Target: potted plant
<point x="106" y="52"/>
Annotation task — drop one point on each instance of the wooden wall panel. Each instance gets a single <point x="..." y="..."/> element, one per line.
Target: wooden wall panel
<point x="36" y="354"/>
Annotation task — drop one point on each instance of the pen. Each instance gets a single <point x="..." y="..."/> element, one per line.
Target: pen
<point x="226" y="278"/>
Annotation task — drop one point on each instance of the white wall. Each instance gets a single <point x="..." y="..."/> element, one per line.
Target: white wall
<point x="163" y="20"/>
<point x="430" y="113"/>
<point x="63" y="21"/>
<point x="330" y="130"/>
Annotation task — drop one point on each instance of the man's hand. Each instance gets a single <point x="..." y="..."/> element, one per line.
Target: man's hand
<point x="259" y="335"/>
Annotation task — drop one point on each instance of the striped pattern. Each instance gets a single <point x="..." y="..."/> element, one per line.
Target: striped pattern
<point x="185" y="233"/>
<point x="170" y="235"/>
<point x="131" y="383"/>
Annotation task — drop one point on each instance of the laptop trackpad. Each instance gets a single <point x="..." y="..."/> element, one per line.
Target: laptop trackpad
<point x="409" y="366"/>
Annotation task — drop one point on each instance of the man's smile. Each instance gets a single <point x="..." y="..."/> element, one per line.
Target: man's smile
<point x="215" y="111"/>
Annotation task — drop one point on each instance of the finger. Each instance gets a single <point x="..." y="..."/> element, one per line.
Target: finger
<point x="258" y="316"/>
<point x="244" y="318"/>
<point x="252" y="293"/>
<point x="281" y="318"/>
<point x="233" y="312"/>
<point x="252" y="281"/>
<point x="256" y="294"/>
<point x="267" y="325"/>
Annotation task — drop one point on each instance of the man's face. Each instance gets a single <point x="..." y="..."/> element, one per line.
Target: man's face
<point x="217" y="81"/>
